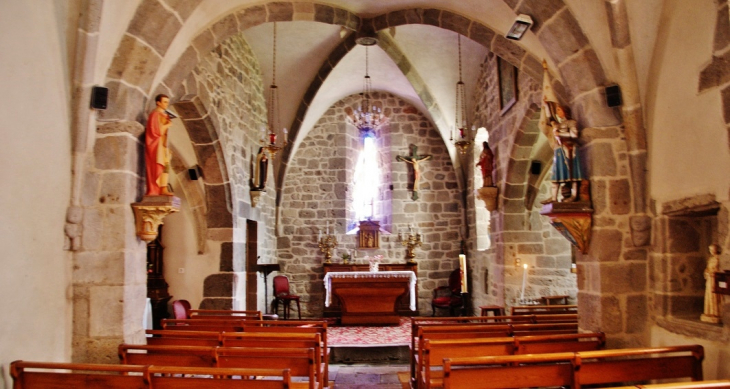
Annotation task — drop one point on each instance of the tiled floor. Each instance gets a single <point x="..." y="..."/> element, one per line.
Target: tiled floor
<point x="358" y="376"/>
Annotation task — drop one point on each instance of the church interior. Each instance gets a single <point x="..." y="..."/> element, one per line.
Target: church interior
<point x="524" y="149"/>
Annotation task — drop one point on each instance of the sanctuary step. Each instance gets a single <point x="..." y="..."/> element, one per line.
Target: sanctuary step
<point x="370" y="355"/>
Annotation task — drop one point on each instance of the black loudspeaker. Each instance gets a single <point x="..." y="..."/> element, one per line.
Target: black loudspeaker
<point x="535" y="167"/>
<point x="99" y="96"/>
<point x="613" y="96"/>
<point x="194" y="172"/>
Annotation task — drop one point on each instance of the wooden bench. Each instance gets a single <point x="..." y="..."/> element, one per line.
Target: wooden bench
<point x="435" y="351"/>
<point x="543" y="309"/>
<point x="45" y="375"/>
<point x="190" y="356"/>
<point x="714" y="384"/>
<point x="224" y="314"/>
<point x="166" y="377"/>
<point x="300" y="361"/>
<point x="520" y="329"/>
<point x="575" y="369"/>
<point x="184" y="338"/>
<point x="283" y="340"/>
<point x="52" y="375"/>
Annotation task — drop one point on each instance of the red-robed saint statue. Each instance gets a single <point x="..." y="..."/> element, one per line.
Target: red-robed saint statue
<point x="157" y="155"/>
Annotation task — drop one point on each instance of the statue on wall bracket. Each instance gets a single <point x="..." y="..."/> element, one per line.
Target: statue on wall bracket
<point x="158" y="200"/>
<point x="259" y="171"/>
<point x="569" y="205"/>
<point x="488" y="192"/>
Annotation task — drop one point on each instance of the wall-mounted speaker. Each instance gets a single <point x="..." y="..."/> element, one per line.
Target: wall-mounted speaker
<point x="613" y="96"/>
<point x="194" y="172"/>
<point x="99" y="96"/>
<point x="535" y="167"/>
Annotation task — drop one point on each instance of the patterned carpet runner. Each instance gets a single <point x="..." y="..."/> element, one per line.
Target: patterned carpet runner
<point x="383" y="336"/>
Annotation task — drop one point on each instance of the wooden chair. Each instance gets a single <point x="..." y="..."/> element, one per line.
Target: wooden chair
<point x="181" y="309"/>
<point x="448" y="297"/>
<point x="283" y="296"/>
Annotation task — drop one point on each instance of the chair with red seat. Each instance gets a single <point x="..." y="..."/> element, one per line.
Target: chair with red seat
<point x="181" y="309"/>
<point x="283" y="296"/>
<point x="448" y="297"/>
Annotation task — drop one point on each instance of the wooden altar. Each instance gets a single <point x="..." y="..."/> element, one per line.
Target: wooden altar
<point x="370" y="297"/>
<point x="403" y="308"/>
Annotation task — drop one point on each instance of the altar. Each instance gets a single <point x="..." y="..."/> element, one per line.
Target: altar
<point x="365" y="297"/>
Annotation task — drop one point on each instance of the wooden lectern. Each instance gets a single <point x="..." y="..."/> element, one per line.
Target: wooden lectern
<point x="266" y="269"/>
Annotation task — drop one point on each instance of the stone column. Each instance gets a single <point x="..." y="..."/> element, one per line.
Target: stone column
<point x="109" y="276"/>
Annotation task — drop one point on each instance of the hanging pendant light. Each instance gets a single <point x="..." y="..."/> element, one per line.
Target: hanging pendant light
<point x="367" y="117"/>
<point x="271" y="140"/>
<point x="460" y="132"/>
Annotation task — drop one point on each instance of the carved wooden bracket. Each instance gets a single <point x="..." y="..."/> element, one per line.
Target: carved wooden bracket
<point x="148" y="214"/>
<point x="488" y="194"/>
<point x="255" y="195"/>
<point x="573" y="220"/>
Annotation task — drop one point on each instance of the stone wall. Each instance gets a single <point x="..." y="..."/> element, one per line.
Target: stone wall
<point x="316" y="189"/>
<point x="519" y="234"/>
<point x="227" y="84"/>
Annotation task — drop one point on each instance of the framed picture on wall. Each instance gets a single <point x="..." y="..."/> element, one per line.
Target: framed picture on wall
<point x="507" y="85"/>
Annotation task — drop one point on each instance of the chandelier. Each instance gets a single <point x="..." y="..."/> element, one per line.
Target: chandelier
<point x="269" y="141"/>
<point x="367" y="117"/>
<point x="462" y="136"/>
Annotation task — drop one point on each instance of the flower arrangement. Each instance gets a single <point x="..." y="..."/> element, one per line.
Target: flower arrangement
<point x="374" y="262"/>
<point x="346" y="257"/>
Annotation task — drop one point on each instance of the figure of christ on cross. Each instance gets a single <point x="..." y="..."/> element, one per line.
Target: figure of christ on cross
<point x="414" y="159"/>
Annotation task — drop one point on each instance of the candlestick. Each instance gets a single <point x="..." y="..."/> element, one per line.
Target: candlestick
<point x="524" y="279"/>
<point x="462" y="266"/>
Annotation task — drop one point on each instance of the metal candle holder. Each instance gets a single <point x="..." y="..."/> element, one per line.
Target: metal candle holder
<point x="326" y="244"/>
<point x="410" y="242"/>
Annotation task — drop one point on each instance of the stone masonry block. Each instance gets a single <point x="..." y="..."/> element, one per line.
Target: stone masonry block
<point x="562" y="36"/>
<point x="106" y="311"/>
<point x="125" y="103"/>
<point x="454" y="22"/>
<point x="135" y="129"/>
<point x="135" y="63"/>
<point x="605" y="245"/>
<point x="219" y="214"/>
<point x="225" y="28"/>
<point x="116" y="153"/>
<point x="600" y="159"/>
<point x="218" y="285"/>
<point x="540" y="11"/>
<point x="100" y="268"/>
<point x="623" y="278"/>
<point x="210" y="163"/>
<point x="584" y="71"/>
<point x="184" y="65"/>
<point x="158" y="31"/>
<point x="619" y="192"/>
<point x="280" y="11"/>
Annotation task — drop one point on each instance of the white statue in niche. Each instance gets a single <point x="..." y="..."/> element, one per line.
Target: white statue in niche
<point x="712" y="299"/>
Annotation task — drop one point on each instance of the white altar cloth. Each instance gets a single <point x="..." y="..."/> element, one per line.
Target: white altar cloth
<point x="367" y="274"/>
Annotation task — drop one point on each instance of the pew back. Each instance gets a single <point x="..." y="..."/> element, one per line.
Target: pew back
<point x="49" y="375"/>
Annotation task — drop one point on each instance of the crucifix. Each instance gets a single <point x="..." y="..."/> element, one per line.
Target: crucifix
<point x="414" y="159"/>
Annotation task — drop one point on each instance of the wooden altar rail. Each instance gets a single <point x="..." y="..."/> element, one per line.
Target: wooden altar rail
<point x="45" y="375"/>
<point x="575" y="369"/>
<point x="431" y="358"/>
<point x="301" y="361"/>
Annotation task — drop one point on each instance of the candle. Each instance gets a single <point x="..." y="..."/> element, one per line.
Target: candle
<point x="319" y="234"/>
<point x="524" y="279"/>
<point x="462" y="266"/>
<point x="328" y="227"/>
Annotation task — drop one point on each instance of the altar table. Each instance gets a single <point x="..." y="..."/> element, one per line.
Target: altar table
<point x="370" y="297"/>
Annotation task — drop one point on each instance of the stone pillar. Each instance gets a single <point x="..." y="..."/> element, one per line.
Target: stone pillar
<point x="109" y="276"/>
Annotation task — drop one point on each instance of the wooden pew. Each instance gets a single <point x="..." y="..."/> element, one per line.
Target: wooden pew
<point x="183" y="338"/>
<point x="543" y="309"/>
<point x="428" y="374"/>
<point x="435" y="351"/>
<point x="189" y="356"/>
<point x="224" y="314"/>
<point x="543" y="344"/>
<point x="520" y="329"/>
<point x="575" y="369"/>
<point x="714" y="384"/>
<point x="300" y="361"/>
<point x="639" y="364"/>
<point x="282" y="340"/>
<point x="50" y="375"/>
<point x="166" y="377"/>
